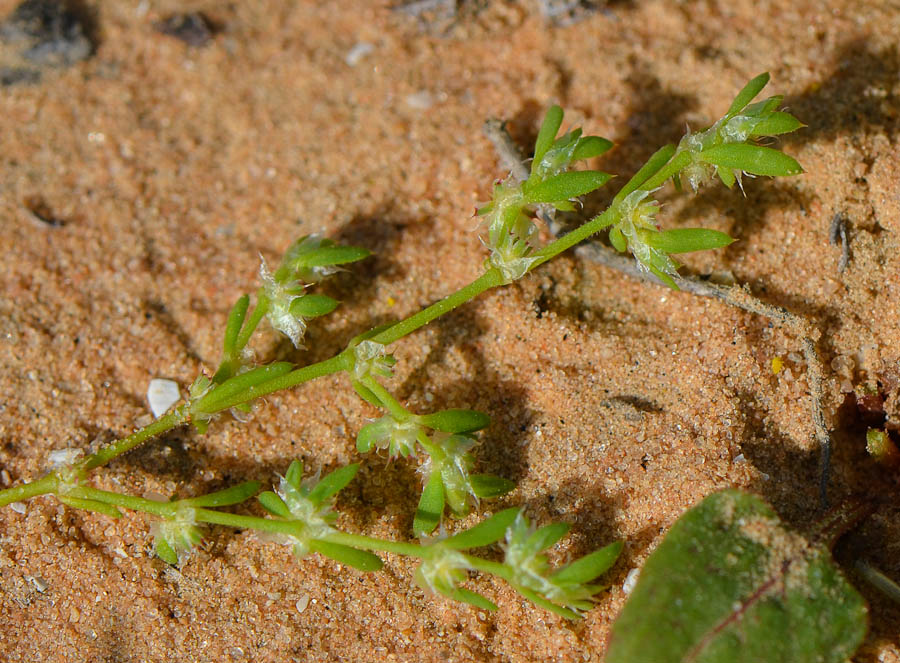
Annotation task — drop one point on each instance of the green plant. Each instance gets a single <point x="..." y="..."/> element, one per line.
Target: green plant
<point x="301" y="510"/>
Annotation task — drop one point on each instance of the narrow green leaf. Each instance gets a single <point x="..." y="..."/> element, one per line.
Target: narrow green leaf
<point x="486" y="486"/>
<point x="659" y="159"/>
<point x="540" y="601"/>
<point x="326" y="256"/>
<point x="472" y="598"/>
<point x="90" y="505"/>
<point x="233" y="495"/>
<point x="366" y="394"/>
<point x="753" y="159"/>
<point x="565" y="186"/>
<point x="484" y="533"/>
<point x="727" y="176"/>
<point x="590" y="147"/>
<point x="234" y="324"/>
<point x="455" y="421"/>
<point x="586" y="568"/>
<point x="685" y="240"/>
<point x="431" y="506"/>
<point x="731" y="584"/>
<point x="547" y="134"/>
<point x="165" y="552"/>
<point x="617" y="239"/>
<point x="294" y="474"/>
<point x="238" y="383"/>
<point x="746" y="95"/>
<point x="777" y="123"/>
<point x="546" y="536"/>
<point x="273" y="504"/>
<point x="362" y="560"/>
<point x="333" y="483"/>
<point x="312" y="306"/>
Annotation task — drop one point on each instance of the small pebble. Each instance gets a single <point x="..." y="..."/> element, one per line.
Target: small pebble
<point x="47" y="33"/>
<point x="18" y="507"/>
<point x="162" y="395"/>
<point x="192" y="28"/>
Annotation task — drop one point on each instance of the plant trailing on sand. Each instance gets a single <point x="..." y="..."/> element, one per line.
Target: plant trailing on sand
<point x="301" y="510"/>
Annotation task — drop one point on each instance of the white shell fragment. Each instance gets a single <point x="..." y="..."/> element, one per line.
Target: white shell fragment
<point x="63" y="457"/>
<point x="358" y="52"/>
<point x="630" y="581"/>
<point x="162" y="395"/>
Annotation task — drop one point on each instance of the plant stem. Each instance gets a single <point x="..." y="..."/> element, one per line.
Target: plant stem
<point x="42" y="486"/>
<point x="567" y="241"/>
<point x="388" y="402"/>
<point x="105" y="454"/>
<point x="371" y="543"/>
<point x="490" y="279"/>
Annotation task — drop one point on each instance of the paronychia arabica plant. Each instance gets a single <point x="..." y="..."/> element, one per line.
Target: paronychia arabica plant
<point x="302" y="510"/>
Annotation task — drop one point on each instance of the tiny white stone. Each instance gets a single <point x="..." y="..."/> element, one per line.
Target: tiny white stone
<point x="630" y="580"/>
<point x="302" y="603"/>
<point x="18" y="507"/>
<point x="162" y="395"/>
<point x="357" y="53"/>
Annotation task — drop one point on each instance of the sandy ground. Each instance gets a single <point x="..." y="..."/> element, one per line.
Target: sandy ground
<point x="139" y="186"/>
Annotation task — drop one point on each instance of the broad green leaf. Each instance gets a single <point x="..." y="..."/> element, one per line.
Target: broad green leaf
<point x="456" y="421"/>
<point x="484" y="533"/>
<point x="684" y="240"/>
<point x="332" y="483"/>
<point x="358" y="559"/>
<point x="590" y="566"/>
<point x="234" y="324"/>
<point x="312" y="306"/>
<point x="233" y="495"/>
<point x="369" y="434"/>
<point x="590" y="147"/>
<point x="745" y="96"/>
<point x="431" y="506"/>
<point x="753" y="159"/>
<point x="294" y="474"/>
<point x="777" y="123"/>
<point x="165" y="552"/>
<point x="546" y="536"/>
<point x="547" y="133"/>
<point x="565" y="186"/>
<point x="486" y="486"/>
<point x="273" y="504"/>
<point x="653" y="165"/>
<point x="731" y="584"/>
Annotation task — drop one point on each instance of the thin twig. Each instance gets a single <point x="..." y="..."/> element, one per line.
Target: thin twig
<point x="735" y="295"/>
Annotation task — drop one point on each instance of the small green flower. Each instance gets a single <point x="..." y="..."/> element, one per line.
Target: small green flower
<point x="174" y="537"/>
<point x="453" y="461"/>
<point x="371" y="358"/>
<point x="442" y="571"/>
<point x="281" y="295"/>
<point x="399" y="438"/>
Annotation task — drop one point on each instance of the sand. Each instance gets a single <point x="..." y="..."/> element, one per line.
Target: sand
<point x="139" y="187"/>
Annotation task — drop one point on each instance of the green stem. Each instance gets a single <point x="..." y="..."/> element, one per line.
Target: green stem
<point x="238" y="521"/>
<point x="298" y="376"/>
<point x="490" y="279"/>
<point x="162" y="509"/>
<point x="370" y="543"/>
<point x="105" y="454"/>
<point x="567" y="241"/>
<point x="44" y="485"/>
<point x="388" y="402"/>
